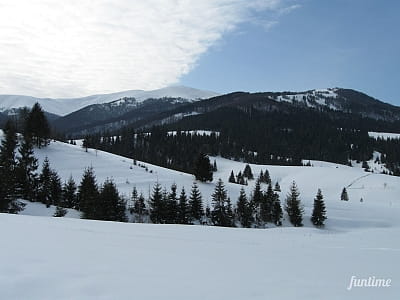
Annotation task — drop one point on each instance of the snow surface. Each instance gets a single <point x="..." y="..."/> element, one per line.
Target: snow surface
<point x="384" y="135"/>
<point x="48" y="258"/>
<point x="64" y="106"/>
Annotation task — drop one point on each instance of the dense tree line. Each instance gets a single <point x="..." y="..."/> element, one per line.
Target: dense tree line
<point x="255" y="136"/>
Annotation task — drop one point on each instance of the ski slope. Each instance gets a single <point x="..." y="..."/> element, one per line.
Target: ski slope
<point x="68" y="258"/>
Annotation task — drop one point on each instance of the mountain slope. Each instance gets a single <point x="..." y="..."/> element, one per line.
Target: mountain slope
<point x="109" y="260"/>
<point x="67" y="105"/>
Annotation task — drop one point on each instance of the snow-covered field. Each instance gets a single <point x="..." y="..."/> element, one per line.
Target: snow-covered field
<point x="66" y="258"/>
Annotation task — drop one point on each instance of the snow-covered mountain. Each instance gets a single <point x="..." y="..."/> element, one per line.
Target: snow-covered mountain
<point x="64" y="106"/>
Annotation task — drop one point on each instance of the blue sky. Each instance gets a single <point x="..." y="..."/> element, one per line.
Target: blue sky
<point x="322" y="43"/>
<point x="79" y="48"/>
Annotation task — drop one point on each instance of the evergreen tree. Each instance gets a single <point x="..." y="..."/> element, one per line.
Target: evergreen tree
<point x="196" y="204"/>
<point x="55" y="189"/>
<point x="344" y="196"/>
<point x="267" y="177"/>
<point x="240" y="179"/>
<point x="183" y="208"/>
<point x="232" y="177"/>
<point x="172" y="206"/>
<point x="27" y="166"/>
<point x="37" y="126"/>
<point x="140" y="208"/>
<point x="203" y="168"/>
<point x="319" y="211"/>
<point x="88" y="194"/>
<point x="110" y="207"/>
<point x="266" y="205"/>
<point x="277" y="212"/>
<point x="8" y="202"/>
<point x="293" y="206"/>
<point x="244" y="210"/>
<point x="45" y="184"/>
<point x="156" y="205"/>
<point x="257" y="194"/>
<point x="221" y="215"/>
<point x="60" y="212"/>
<point x="248" y="172"/>
<point x="215" y="169"/>
<point x="277" y="187"/>
<point x="69" y="194"/>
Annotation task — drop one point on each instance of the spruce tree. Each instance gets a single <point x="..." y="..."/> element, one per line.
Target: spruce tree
<point x="344" y="196"/>
<point x="7" y="170"/>
<point x="27" y="166"/>
<point x="319" y="211"/>
<point x="110" y="207"/>
<point x="69" y="194"/>
<point x="183" y="208"/>
<point x="267" y="177"/>
<point x="88" y="194"/>
<point x="244" y="210"/>
<point x="140" y="208"/>
<point x="293" y="206"/>
<point x="203" y="168"/>
<point x="195" y="204"/>
<point x="55" y="189"/>
<point x="248" y="172"/>
<point x="172" y="206"/>
<point x="133" y="200"/>
<point x="37" y="126"/>
<point x="45" y="184"/>
<point x="266" y="205"/>
<point x="277" y="212"/>
<point x="277" y="187"/>
<point x="221" y="214"/>
<point x="156" y="204"/>
<point x="232" y="177"/>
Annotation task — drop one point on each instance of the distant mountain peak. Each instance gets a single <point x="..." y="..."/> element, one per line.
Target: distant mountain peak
<point x="64" y="106"/>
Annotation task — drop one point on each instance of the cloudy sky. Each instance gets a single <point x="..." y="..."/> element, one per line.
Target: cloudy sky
<point x="81" y="47"/>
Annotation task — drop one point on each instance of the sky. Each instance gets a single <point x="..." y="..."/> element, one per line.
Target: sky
<point x="81" y="47"/>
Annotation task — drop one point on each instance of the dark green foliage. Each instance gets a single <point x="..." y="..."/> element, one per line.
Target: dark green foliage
<point x="277" y="187"/>
<point x="277" y="212"/>
<point x="267" y="178"/>
<point x="221" y="214"/>
<point x="183" y="209"/>
<point x="60" y="212"/>
<point x="344" y="196"/>
<point x="45" y="184"/>
<point x="171" y="209"/>
<point x="203" y="169"/>
<point x="293" y="206"/>
<point x="70" y="199"/>
<point x="257" y="194"/>
<point x="248" y="172"/>
<point x="266" y="205"/>
<point x="110" y="206"/>
<point x="319" y="211"/>
<point x="139" y="206"/>
<point x="244" y="210"/>
<point x="195" y="204"/>
<point x="55" y="189"/>
<point x="88" y="194"/>
<point x="156" y="203"/>
<point x="27" y="166"/>
<point x="232" y="178"/>
<point x="37" y="128"/>
<point x="7" y="170"/>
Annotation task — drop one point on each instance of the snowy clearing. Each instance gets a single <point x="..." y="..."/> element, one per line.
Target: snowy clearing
<point x="384" y="135"/>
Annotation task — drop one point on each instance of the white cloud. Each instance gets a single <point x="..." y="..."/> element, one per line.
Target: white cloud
<point x="81" y="47"/>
